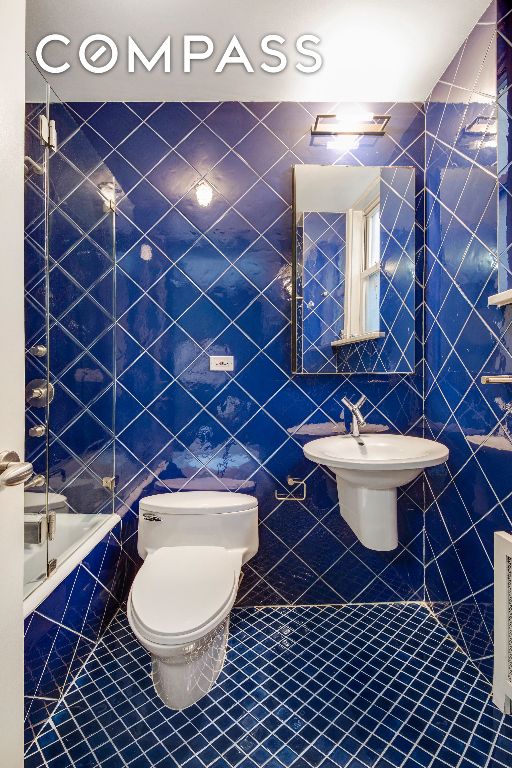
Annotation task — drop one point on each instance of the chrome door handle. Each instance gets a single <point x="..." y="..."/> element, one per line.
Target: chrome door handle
<point x="12" y="470"/>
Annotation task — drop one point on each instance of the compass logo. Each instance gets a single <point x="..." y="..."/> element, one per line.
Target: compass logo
<point x="98" y="54"/>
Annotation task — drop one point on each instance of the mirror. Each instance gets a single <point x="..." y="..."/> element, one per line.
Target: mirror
<point x="353" y="302"/>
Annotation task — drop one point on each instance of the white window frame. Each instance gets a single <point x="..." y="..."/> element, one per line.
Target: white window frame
<point x="356" y="271"/>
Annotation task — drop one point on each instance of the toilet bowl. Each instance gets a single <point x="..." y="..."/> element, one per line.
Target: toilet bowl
<point x="193" y="545"/>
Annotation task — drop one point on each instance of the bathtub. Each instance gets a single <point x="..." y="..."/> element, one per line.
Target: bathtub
<point x="75" y="536"/>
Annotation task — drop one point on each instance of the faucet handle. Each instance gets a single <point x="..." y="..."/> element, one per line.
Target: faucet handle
<point x="353" y="406"/>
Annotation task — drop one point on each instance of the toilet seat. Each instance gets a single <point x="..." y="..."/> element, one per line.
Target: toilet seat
<point x="180" y="593"/>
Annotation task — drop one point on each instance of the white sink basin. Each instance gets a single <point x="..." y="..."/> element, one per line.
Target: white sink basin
<point x="368" y="471"/>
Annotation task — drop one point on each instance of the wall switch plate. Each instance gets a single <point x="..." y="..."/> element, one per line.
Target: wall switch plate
<point x="222" y="363"/>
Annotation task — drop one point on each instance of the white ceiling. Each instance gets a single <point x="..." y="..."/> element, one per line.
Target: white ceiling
<point x="333" y="188"/>
<point x="374" y="50"/>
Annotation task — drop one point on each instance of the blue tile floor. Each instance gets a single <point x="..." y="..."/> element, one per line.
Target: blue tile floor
<point x="362" y="685"/>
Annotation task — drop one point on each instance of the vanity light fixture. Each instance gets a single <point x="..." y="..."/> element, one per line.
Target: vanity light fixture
<point x="481" y="133"/>
<point x="204" y="194"/>
<point x="482" y="125"/>
<point x="366" y="124"/>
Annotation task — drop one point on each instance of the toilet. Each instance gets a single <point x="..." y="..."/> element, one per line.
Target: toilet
<point x="193" y="544"/>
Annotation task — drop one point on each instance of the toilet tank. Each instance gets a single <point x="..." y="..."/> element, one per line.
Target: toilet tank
<point x="199" y="518"/>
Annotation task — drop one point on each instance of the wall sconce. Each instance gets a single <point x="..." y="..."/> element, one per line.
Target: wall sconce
<point x="366" y="124"/>
<point x="204" y="194"/>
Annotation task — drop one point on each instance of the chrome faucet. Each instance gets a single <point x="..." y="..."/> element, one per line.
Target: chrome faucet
<point x="357" y="416"/>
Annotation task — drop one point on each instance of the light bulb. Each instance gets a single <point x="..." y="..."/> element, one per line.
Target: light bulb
<point x="353" y="119"/>
<point x="204" y="194"/>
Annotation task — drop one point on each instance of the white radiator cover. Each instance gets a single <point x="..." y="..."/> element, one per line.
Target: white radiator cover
<point x="502" y="680"/>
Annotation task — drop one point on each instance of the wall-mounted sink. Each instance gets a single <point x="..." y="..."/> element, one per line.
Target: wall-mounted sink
<point x="368" y="471"/>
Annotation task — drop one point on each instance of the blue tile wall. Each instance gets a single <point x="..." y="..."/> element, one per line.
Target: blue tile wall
<point x="504" y="123"/>
<point x="464" y="338"/>
<point x="323" y="288"/>
<point x="61" y="633"/>
<point x="76" y="285"/>
<point x="81" y="329"/>
<point x="194" y="281"/>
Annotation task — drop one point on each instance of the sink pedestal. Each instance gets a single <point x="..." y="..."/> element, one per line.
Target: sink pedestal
<point x="370" y="513"/>
<point x="368" y="503"/>
<point x="368" y="472"/>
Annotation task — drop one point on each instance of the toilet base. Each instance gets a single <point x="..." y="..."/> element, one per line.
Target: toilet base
<point x="189" y="672"/>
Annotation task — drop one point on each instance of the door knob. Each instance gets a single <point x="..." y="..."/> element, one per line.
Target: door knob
<point x="12" y="470"/>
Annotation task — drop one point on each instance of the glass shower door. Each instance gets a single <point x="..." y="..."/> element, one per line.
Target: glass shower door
<point x="36" y="328"/>
<point x="81" y="281"/>
<point x="70" y="325"/>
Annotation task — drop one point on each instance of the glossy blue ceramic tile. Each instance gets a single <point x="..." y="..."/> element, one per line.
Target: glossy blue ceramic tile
<point x="63" y="630"/>
<point x="113" y="124"/>
<point x="462" y="342"/>
<point x="360" y="686"/>
<point x="145" y="379"/>
<point x="191" y="284"/>
<point x="61" y="633"/>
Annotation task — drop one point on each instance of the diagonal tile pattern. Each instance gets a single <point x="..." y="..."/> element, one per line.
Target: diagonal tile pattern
<point x="195" y="280"/>
<point x="70" y="284"/>
<point x="320" y="244"/>
<point x="360" y="686"/>
<point x="35" y="264"/>
<point x="63" y="630"/>
<point x="81" y="320"/>
<point x="464" y="339"/>
<point x="192" y="281"/>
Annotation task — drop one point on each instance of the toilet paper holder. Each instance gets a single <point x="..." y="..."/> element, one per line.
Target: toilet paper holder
<point x="292" y="481"/>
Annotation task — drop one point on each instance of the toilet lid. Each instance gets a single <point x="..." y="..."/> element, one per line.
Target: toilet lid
<point x="180" y="589"/>
<point x="197" y="502"/>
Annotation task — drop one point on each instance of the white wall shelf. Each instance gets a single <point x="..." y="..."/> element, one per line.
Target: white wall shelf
<point x="500" y="299"/>
<point x="362" y="337"/>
